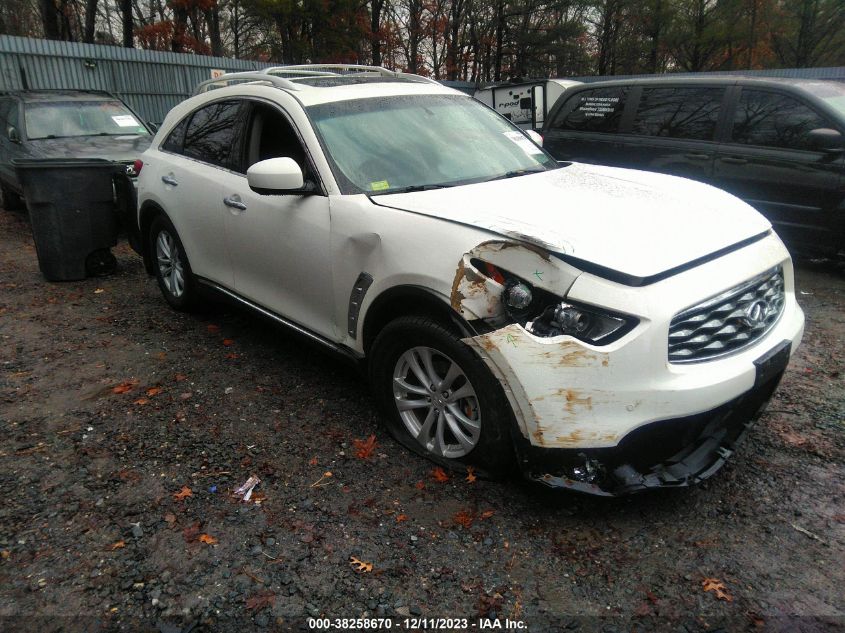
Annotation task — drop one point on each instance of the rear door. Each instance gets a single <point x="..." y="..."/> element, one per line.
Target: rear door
<point x="771" y="164"/>
<point x="673" y="130"/>
<point x="584" y="127"/>
<point x="197" y="156"/>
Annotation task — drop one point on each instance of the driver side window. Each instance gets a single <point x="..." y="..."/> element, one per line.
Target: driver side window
<point x="270" y="135"/>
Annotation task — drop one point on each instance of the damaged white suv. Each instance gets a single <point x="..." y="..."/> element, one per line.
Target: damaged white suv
<point x="607" y="330"/>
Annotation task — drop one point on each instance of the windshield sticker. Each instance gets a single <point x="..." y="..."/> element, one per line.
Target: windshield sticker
<point x="126" y="120"/>
<point x="523" y="142"/>
<point x="380" y="185"/>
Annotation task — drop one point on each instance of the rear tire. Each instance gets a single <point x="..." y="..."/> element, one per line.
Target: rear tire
<point x="11" y="201"/>
<point x="172" y="268"/>
<point x="439" y="399"/>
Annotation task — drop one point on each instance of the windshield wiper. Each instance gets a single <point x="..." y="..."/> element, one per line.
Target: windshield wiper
<point x="410" y="189"/>
<point x="515" y="173"/>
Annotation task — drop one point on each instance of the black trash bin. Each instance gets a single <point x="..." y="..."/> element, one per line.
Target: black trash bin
<point x="71" y="206"/>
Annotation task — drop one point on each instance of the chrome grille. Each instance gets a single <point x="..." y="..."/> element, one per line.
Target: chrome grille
<point x="729" y="322"/>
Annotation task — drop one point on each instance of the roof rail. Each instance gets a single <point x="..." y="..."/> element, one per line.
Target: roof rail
<point x="340" y="69"/>
<point x="303" y="71"/>
<point x="279" y="82"/>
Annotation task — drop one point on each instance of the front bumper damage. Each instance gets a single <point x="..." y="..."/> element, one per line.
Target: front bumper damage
<point x="671" y="453"/>
<point x="618" y="418"/>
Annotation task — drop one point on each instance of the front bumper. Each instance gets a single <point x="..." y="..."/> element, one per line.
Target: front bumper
<point x="581" y="408"/>
<point x="666" y="454"/>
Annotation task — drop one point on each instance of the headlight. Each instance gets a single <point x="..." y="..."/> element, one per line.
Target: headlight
<point x="544" y="314"/>
<point x="590" y="325"/>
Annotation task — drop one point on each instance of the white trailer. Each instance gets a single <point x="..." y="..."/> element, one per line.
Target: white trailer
<point x="525" y="104"/>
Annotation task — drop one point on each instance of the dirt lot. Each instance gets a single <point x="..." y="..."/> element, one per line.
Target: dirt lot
<point x="111" y="403"/>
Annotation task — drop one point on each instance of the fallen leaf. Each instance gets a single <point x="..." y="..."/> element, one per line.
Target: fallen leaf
<point x="231" y="356"/>
<point x="261" y="600"/>
<point x="180" y="377"/>
<point x="227" y="342"/>
<point x="718" y="587"/>
<point x="190" y="532"/>
<point x="141" y="401"/>
<point x="365" y="448"/>
<point x="401" y="517"/>
<point x="471" y="474"/>
<point x="207" y="539"/>
<point x="5" y="554"/>
<point x="359" y="565"/>
<point x="125" y="386"/>
<point x="312" y="461"/>
<point x="487" y="514"/>
<point x="153" y="391"/>
<point x="118" y="545"/>
<point x="419" y="485"/>
<point x="213" y="329"/>
<point x="464" y="518"/>
<point x="440" y="475"/>
<point x="99" y="291"/>
<point x="161" y="355"/>
<point x="185" y="492"/>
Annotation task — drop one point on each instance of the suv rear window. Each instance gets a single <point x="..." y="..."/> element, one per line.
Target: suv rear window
<point x="598" y="110"/>
<point x="774" y="120"/>
<point x="211" y="133"/>
<point x="690" y="113"/>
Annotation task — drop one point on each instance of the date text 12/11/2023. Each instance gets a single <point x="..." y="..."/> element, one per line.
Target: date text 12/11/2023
<point x="416" y="624"/>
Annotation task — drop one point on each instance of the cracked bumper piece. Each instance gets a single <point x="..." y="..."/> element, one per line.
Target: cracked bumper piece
<point x="666" y="454"/>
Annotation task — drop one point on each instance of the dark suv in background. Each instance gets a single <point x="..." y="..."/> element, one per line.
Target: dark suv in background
<point x="65" y="124"/>
<point x="776" y="143"/>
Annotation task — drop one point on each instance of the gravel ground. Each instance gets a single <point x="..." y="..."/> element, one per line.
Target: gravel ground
<point x="111" y="404"/>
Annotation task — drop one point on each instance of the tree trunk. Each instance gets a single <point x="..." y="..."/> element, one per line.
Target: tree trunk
<point x="500" y="36"/>
<point x="126" y="21"/>
<point x="90" y="20"/>
<point x="49" y="19"/>
<point x="376" y="7"/>
<point x="212" y="19"/>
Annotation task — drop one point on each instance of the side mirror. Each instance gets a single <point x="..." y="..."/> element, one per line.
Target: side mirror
<point x="826" y="140"/>
<point x="153" y="127"/>
<point x="535" y="136"/>
<point x="13" y="134"/>
<point x="275" y="176"/>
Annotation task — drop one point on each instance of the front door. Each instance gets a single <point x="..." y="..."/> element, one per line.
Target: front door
<point x="279" y="244"/>
<point x="771" y="164"/>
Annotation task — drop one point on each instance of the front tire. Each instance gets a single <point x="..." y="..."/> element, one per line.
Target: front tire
<point x="172" y="268"/>
<point x="438" y="397"/>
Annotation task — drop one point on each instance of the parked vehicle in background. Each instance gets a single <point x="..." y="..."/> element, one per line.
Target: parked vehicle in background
<point x="776" y="143"/>
<point x="580" y="321"/>
<point x="525" y="104"/>
<point x="65" y="124"/>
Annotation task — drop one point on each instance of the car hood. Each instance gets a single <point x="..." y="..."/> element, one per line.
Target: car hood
<point x="637" y="223"/>
<point x="117" y="148"/>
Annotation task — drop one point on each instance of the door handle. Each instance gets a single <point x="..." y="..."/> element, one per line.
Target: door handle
<point x="170" y="180"/>
<point x="234" y="202"/>
<point x="697" y="156"/>
<point x="733" y="160"/>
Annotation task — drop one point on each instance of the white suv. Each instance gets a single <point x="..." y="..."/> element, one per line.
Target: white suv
<point x="607" y="330"/>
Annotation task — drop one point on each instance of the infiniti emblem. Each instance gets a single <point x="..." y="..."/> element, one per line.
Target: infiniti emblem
<point x="755" y="314"/>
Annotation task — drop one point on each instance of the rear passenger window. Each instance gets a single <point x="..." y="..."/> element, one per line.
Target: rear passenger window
<point x="598" y="110"/>
<point x="176" y="138"/>
<point x="773" y="120"/>
<point x="690" y="113"/>
<point x="211" y="133"/>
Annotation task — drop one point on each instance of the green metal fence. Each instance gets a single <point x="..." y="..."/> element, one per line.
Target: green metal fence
<point x="151" y="82"/>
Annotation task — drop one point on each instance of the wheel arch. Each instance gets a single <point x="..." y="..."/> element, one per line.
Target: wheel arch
<point x="148" y="213"/>
<point x="409" y="300"/>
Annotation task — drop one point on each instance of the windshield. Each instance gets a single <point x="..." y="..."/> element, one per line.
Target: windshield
<point x="393" y="144"/>
<point x="62" y="119"/>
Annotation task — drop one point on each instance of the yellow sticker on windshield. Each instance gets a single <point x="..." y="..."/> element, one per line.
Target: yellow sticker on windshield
<point x="381" y="185"/>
